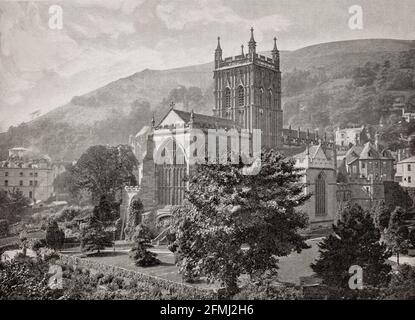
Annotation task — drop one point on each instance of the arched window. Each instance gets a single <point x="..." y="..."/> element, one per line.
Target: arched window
<point x="241" y="96"/>
<point x="320" y="195"/>
<point x="227" y="98"/>
<point x="269" y="98"/>
<point x="261" y="97"/>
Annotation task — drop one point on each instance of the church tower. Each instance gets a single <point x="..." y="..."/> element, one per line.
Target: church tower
<point x="248" y="91"/>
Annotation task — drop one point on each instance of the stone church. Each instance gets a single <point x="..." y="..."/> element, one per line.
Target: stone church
<point x="247" y="91"/>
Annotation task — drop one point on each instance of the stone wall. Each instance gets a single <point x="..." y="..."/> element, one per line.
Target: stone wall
<point x="135" y="275"/>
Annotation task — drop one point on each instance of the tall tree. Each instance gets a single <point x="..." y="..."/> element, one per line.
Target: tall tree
<point x="355" y="241"/>
<point x="93" y="236"/>
<point x="139" y="252"/>
<point x="103" y="170"/>
<point x="55" y="237"/>
<point x="397" y="233"/>
<point x="12" y="205"/>
<point x="227" y="209"/>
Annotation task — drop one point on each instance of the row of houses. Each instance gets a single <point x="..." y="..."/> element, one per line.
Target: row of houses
<point x="30" y="172"/>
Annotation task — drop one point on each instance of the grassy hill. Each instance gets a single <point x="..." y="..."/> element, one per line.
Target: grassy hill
<point x="318" y="82"/>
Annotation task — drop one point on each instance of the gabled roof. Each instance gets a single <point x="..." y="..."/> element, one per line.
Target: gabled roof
<point x="144" y="130"/>
<point x="369" y="152"/>
<point x="201" y="119"/>
<point x="366" y="152"/>
<point x="408" y="160"/>
<point x="312" y="152"/>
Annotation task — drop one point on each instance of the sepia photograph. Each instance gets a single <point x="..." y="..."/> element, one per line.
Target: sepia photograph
<point x="207" y="154"/>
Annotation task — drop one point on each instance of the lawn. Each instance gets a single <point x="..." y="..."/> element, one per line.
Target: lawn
<point x="291" y="268"/>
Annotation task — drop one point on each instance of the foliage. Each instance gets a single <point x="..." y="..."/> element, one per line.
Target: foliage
<point x="381" y="214"/>
<point x="64" y="183"/>
<point x="69" y="213"/>
<point x="412" y="238"/>
<point x="354" y="241"/>
<point x="227" y="209"/>
<point x="107" y="209"/>
<point x="4" y="228"/>
<point x="402" y="284"/>
<point x="93" y="236"/>
<point x="268" y="291"/>
<point x="55" y="237"/>
<point x="135" y="210"/>
<point x="397" y="233"/>
<point x="359" y="95"/>
<point x="104" y="170"/>
<point x="12" y="205"/>
<point x="139" y="252"/>
<point x="25" y="279"/>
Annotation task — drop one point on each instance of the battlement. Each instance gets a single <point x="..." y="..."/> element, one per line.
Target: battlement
<point x="245" y="59"/>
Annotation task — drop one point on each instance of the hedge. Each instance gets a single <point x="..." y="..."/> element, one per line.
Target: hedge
<point x="152" y="281"/>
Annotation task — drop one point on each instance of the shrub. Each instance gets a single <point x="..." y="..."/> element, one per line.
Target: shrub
<point x="412" y="237"/>
<point x="268" y="292"/>
<point x="139" y="252"/>
<point x="25" y="279"/>
<point x="135" y="211"/>
<point x="402" y="284"/>
<point x="55" y="237"/>
<point x="94" y="237"/>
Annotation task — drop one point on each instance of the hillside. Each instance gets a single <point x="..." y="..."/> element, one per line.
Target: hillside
<point x="315" y="80"/>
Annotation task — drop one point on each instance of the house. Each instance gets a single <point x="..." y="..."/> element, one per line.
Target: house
<point x="405" y="172"/>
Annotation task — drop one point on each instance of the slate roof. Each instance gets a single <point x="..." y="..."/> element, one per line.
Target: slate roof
<point x="203" y="120"/>
<point x="312" y="151"/>
<point x="366" y="152"/>
<point x="408" y="160"/>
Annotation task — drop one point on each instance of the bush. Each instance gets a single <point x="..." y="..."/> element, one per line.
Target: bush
<point x="94" y="237"/>
<point x="139" y="252"/>
<point x="402" y="284"/>
<point x="4" y="228"/>
<point x="25" y="279"/>
<point x="135" y="211"/>
<point x="55" y="237"/>
<point x="412" y="237"/>
<point x="268" y="292"/>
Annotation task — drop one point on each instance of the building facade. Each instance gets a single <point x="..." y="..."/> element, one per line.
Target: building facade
<point x="369" y="162"/>
<point x="366" y="169"/>
<point x="350" y="136"/>
<point x="318" y="164"/>
<point x="247" y="90"/>
<point x="33" y="175"/>
<point x="405" y="172"/>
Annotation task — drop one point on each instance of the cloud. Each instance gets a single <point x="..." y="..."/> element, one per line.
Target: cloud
<point x="182" y="14"/>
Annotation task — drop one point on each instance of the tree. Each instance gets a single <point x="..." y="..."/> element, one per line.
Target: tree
<point x="135" y="210"/>
<point x="107" y="209"/>
<point x="402" y="284"/>
<point x="139" y="252"/>
<point x="94" y="237"/>
<point x="381" y="215"/>
<point x="354" y="241"/>
<point x="55" y="237"/>
<point x="397" y="233"/>
<point x="26" y="279"/>
<point x="226" y="209"/>
<point x="12" y="205"/>
<point x="103" y="170"/>
<point x="412" y="237"/>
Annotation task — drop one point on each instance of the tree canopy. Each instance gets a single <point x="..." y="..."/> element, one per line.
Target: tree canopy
<point x="234" y="223"/>
<point x="103" y="170"/>
<point x="355" y="241"/>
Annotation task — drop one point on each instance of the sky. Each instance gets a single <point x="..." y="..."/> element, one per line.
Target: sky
<point x="43" y="67"/>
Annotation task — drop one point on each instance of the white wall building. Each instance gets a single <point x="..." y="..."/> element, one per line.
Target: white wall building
<point x="405" y="172"/>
